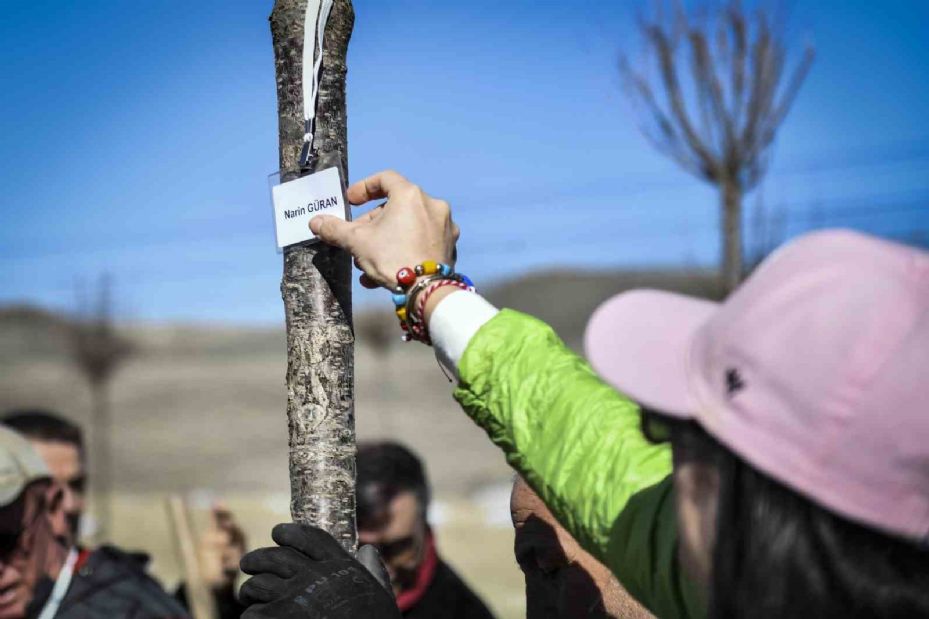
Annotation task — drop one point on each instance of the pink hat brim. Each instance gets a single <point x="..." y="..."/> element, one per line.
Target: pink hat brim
<point x="639" y="342"/>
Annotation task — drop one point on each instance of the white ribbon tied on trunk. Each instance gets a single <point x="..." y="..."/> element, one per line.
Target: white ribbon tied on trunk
<point x="314" y="30"/>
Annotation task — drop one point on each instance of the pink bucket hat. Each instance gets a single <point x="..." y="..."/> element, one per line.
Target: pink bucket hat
<point x="815" y="371"/>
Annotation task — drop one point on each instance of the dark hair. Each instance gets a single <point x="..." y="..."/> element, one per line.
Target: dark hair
<point x="385" y="469"/>
<point x="43" y="425"/>
<point x="778" y="554"/>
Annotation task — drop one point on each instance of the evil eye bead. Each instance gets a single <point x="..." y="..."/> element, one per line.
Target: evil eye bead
<point x="406" y="277"/>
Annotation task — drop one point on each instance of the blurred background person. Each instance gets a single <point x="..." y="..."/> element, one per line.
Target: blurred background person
<point x="60" y="443"/>
<point x="42" y="573"/>
<point x="220" y="549"/>
<point x="563" y="581"/>
<point x="392" y="502"/>
<point x="35" y="536"/>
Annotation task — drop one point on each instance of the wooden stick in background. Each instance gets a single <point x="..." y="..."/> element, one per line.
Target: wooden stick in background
<point x="200" y="600"/>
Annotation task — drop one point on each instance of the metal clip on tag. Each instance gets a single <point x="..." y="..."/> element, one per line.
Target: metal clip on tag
<point x="306" y="165"/>
<point x="305" y="153"/>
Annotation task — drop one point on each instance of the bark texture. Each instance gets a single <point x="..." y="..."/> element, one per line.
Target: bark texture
<point x="316" y="288"/>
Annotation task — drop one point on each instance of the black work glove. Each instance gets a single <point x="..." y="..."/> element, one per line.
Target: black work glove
<point x="310" y="576"/>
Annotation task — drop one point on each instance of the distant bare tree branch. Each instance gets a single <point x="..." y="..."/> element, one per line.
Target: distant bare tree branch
<point x="98" y="350"/>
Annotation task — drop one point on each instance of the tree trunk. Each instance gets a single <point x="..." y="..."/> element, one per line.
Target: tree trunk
<point x="316" y="289"/>
<point x="731" y="268"/>
<point x="102" y="460"/>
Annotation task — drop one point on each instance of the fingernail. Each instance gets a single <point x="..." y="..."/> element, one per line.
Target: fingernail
<point x="314" y="228"/>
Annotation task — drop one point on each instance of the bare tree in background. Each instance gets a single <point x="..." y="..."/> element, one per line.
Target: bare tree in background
<point x="316" y="288"/>
<point x="713" y="93"/>
<point x="98" y="351"/>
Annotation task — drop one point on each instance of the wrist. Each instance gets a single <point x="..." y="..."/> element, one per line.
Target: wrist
<point x="416" y="287"/>
<point x="433" y="301"/>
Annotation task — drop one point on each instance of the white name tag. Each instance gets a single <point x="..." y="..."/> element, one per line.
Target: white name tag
<point x="299" y="201"/>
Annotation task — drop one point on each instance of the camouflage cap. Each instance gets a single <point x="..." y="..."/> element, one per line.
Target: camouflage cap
<point x="20" y="465"/>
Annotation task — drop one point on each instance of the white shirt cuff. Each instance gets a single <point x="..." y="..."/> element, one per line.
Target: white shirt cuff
<point x="454" y="322"/>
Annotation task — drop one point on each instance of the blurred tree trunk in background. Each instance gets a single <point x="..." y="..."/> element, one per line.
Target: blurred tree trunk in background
<point x="730" y="194"/>
<point x="316" y="289"/>
<point x="713" y="93"/>
<point x="98" y="351"/>
<point x="100" y="453"/>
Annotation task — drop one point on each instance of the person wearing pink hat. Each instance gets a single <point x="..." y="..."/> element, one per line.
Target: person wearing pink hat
<point x="766" y="457"/>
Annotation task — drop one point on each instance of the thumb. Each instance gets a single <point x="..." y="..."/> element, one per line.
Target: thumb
<point x="331" y="229"/>
<point x="371" y="559"/>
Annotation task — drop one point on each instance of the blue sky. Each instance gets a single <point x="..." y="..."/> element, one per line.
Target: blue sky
<point x="137" y="139"/>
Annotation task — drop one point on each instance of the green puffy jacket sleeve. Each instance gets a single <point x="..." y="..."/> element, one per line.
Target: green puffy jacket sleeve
<point x="578" y="443"/>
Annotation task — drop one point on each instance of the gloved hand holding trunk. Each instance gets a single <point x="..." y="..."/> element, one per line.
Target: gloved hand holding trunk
<point x="309" y="575"/>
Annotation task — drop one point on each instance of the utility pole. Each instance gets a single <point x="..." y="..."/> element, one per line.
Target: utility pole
<point x="316" y="286"/>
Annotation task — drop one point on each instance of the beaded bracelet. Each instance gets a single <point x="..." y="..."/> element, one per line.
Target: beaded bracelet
<point x="410" y="295"/>
<point x="410" y="314"/>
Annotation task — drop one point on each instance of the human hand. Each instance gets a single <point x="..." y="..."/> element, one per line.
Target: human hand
<point x="409" y="228"/>
<point x="309" y="576"/>
<point x="221" y="548"/>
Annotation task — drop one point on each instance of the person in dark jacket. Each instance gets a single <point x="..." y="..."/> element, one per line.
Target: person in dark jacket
<point x="107" y="582"/>
<point x="42" y="572"/>
<point x="60" y="444"/>
<point x="392" y="501"/>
